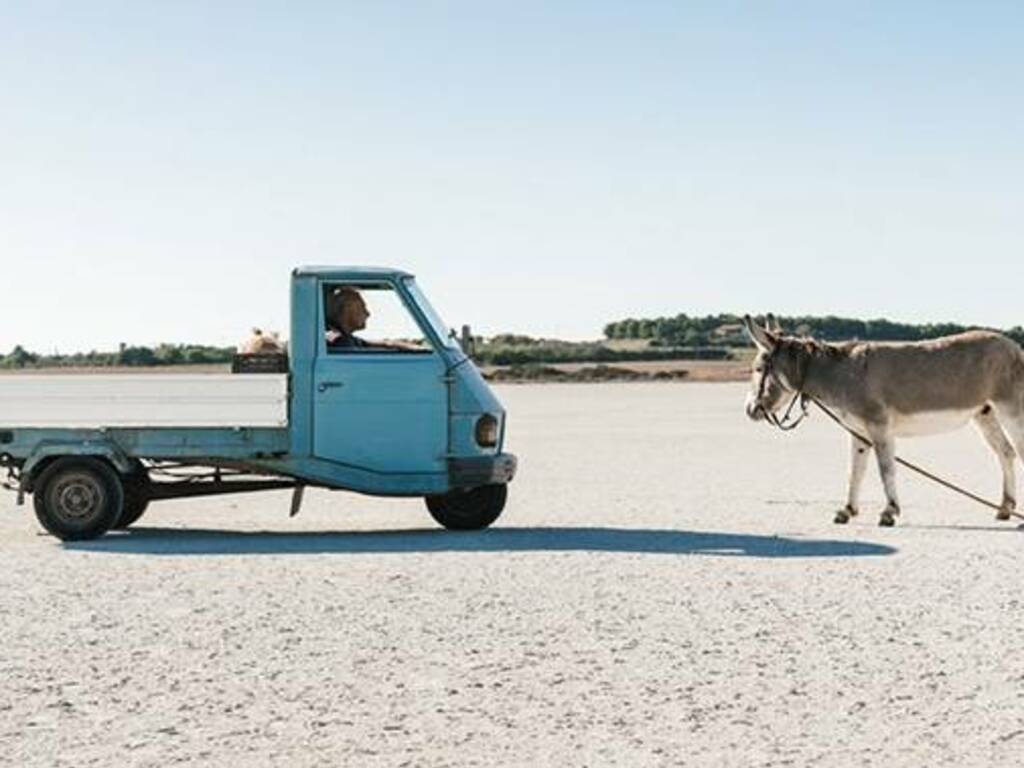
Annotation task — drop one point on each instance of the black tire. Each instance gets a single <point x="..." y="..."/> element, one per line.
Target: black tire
<point x="468" y="509"/>
<point x="136" y="497"/>
<point x="78" y="498"/>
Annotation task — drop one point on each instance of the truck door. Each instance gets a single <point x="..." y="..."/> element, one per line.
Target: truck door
<point x="380" y="400"/>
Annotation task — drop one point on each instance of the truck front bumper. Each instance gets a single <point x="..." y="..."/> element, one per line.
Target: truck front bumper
<point x="474" y="471"/>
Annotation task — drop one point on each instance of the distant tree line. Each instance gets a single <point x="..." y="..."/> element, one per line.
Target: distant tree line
<point x="726" y="330"/>
<point x="508" y="349"/>
<point x="164" y="354"/>
<point x="711" y="337"/>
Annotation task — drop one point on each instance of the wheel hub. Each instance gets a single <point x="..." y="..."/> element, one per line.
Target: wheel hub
<point x="78" y="496"/>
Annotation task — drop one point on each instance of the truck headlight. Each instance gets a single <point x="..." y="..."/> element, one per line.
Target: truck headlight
<point x="487" y="431"/>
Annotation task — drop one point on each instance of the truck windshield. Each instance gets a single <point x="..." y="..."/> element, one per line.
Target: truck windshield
<point x="440" y="328"/>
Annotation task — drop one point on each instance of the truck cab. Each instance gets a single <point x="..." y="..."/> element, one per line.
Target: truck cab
<point x="404" y="412"/>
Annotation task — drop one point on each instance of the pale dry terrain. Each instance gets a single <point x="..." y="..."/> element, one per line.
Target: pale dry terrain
<point x="665" y="588"/>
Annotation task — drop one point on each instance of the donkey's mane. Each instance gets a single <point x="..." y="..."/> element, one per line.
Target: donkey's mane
<point x="816" y="348"/>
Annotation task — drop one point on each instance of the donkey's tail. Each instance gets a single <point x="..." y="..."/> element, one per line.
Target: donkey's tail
<point x="1019" y="375"/>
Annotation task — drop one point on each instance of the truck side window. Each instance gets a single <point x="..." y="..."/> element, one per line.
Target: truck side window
<point x="369" y="317"/>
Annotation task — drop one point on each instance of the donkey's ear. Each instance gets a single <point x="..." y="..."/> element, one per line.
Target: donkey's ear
<point x="764" y="339"/>
<point x="773" y="325"/>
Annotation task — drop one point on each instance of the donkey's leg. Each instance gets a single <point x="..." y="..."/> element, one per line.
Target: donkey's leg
<point x="1011" y="417"/>
<point x="988" y="425"/>
<point x="885" y="452"/>
<point x="858" y="463"/>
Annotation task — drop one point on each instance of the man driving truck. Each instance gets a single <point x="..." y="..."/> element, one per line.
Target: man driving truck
<point x="346" y="313"/>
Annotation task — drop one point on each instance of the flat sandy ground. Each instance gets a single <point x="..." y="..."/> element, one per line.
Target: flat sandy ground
<point x="665" y="588"/>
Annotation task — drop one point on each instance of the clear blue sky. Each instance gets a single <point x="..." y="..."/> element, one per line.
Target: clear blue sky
<point x="543" y="167"/>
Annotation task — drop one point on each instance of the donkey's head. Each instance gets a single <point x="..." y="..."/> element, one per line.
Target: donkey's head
<point x="776" y="371"/>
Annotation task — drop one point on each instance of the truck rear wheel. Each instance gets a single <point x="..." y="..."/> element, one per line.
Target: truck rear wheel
<point x="78" y="498"/>
<point x="468" y="509"/>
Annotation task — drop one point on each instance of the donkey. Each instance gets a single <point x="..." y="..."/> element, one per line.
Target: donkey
<point x="887" y="390"/>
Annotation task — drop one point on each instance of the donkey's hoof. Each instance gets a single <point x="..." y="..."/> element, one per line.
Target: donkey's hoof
<point x="842" y="517"/>
<point x="1006" y="510"/>
<point x="887" y="520"/>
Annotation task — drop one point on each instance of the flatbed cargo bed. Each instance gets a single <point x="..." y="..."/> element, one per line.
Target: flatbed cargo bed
<point x="141" y="401"/>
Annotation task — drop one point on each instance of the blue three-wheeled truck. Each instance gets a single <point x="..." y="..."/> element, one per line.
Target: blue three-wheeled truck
<point x="408" y="416"/>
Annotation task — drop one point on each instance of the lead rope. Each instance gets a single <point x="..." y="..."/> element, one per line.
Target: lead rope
<point x="951" y="486"/>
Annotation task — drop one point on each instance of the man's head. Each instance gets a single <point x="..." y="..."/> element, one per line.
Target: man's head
<point x="346" y="310"/>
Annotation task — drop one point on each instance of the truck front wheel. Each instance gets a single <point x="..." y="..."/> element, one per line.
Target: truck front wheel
<point x="78" y="498"/>
<point x="468" y="509"/>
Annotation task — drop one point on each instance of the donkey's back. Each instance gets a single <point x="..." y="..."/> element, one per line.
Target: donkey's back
<point x="952" y="373"/>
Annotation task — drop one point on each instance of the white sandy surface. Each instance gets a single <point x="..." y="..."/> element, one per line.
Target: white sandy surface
<point x="665" y="588"/>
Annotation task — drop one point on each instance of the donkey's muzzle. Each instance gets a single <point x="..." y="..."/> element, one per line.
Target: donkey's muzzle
<point x="755" y="411"/>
